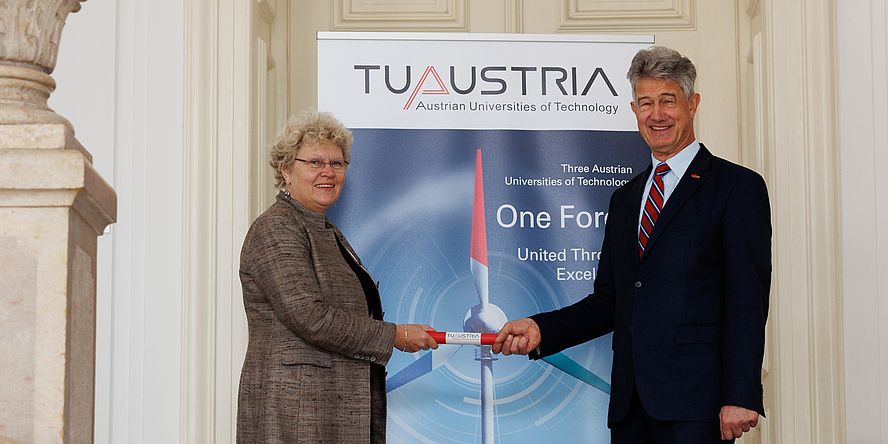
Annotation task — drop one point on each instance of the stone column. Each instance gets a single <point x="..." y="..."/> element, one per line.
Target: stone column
<point x="53" y="206"/>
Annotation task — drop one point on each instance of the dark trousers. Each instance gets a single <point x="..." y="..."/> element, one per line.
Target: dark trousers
<point x="639" y="428"/>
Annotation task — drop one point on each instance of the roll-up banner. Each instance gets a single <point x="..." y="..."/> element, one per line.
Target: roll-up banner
<point x="477" y="193"/>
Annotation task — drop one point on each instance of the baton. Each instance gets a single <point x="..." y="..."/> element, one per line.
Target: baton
<point x="463" y="338"/>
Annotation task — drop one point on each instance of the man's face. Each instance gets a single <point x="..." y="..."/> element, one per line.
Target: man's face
<point x="665" y="117"/>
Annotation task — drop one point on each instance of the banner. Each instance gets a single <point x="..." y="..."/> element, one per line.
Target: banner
<point x="477" y="193"/>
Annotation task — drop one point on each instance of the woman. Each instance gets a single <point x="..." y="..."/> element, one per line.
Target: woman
<point x="314" y="369"/>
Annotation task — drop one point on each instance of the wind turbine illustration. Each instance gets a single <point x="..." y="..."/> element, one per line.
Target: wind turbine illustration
<point x="484" y="317"/>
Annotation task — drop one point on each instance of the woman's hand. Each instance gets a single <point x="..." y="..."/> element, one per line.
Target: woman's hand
<point x="412" y="338"/>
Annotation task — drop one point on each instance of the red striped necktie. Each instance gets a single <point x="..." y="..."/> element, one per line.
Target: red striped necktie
<point x="652" y="206"/>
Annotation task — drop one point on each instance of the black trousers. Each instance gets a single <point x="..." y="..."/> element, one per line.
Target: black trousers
<point x="639" y="428"/>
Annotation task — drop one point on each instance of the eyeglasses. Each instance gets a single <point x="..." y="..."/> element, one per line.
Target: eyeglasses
<point x="335" y="165"/>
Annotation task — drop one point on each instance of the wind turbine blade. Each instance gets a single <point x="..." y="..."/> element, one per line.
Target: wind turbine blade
<point x="478" y="253"/>
<point x="425" y="364"/>
<point x="571" y="367"/>
<point x="442" y="354"/>
<point x="479" y="273"/>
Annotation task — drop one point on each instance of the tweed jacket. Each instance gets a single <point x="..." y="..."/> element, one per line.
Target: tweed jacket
<point x="314" y="367"/>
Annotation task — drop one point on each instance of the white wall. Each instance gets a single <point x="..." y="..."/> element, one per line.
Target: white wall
<point x="862" y="48"/>
<point x="120" y="80"/>
<point x="120" y="83"/>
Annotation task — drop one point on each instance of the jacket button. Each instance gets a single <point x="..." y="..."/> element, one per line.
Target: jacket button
<point x="638" y="284"/>
<point x="373" y="359"/>
<point x="357" y="356"/>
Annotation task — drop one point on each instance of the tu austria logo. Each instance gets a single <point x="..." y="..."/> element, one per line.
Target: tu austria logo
<point x="494" y="80"/>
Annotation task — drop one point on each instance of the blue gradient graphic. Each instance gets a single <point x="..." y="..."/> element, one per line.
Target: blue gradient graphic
<point x="407" y="210"/>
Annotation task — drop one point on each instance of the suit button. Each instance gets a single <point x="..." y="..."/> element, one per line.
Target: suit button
<point x="357" y="356"/>
<point x="373" y="359"/>
<point x="638" y="284"/>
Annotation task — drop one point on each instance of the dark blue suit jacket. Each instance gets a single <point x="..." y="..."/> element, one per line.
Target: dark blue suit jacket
<point x="689" y="316"/>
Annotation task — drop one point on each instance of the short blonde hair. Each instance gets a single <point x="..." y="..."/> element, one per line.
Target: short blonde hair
<point x="308" y="127"/>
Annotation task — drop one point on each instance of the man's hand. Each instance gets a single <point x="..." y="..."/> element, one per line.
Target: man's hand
<point x="736" y="420"/>
<point x="517" y="337"/>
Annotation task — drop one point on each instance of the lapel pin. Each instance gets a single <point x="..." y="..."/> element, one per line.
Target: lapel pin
<point x="695" y="176"/>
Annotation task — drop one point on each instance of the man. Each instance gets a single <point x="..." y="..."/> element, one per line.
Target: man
<point x="683" y="280"/>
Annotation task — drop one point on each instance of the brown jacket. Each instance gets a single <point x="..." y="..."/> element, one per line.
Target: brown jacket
<point x="314" y="365"/>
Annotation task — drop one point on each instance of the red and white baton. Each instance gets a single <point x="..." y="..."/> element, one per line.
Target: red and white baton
<point x="463" y="338"/>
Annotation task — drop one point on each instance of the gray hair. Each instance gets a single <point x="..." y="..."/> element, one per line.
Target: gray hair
<point x="660" y="62"/>
<point x="308" y="127"/>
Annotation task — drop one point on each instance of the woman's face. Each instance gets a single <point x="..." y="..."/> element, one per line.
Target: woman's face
<point x="315" y="188"/>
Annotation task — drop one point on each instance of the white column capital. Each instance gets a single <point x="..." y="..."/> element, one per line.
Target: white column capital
<point x="32" y="31"/>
